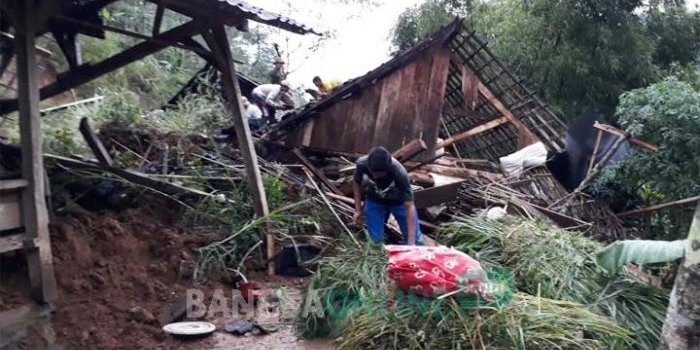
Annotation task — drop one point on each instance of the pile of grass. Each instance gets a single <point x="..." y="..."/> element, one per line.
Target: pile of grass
<point x="526" y="323"/>
<point x="373" y="314"/>
<point x="558" y="264"/>
<point x="349" y="275"/>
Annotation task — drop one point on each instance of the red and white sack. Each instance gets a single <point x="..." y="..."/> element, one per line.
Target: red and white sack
<point x="435" y="271"/>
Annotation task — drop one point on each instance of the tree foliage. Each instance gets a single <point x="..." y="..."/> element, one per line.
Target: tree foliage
<point x="576" y="54"/>
<point x="666" y="114"/>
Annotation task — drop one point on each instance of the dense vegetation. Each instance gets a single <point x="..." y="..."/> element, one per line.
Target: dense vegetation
<point x="635" y="62"/>
<point x="578" y="54"/>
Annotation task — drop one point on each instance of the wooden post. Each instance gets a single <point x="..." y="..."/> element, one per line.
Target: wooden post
<point x="232" y="94"/>
<point x="34" y="213"/>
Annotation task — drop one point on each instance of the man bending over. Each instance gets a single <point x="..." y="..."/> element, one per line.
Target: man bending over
<point x="387" y="189"/>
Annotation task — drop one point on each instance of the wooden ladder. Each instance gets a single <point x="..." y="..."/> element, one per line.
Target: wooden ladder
<point x="23" y="209"/>
<point x="24" y="227"/>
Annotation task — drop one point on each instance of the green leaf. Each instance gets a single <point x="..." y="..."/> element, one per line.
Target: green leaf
<point x="620" y="253"/>
<point x="105" y="13"/>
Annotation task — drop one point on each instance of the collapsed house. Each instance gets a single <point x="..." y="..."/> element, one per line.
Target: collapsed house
<point x="483" y="138"/>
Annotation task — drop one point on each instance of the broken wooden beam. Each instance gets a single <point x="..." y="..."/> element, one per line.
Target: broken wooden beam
<point x="561" y="220"/>
<point x="656" y="207"/>
<point x="462" y="172"/>
<point x="410" y="150"/>
<point x="88" y="72"/>
<point x="167" y="188"/>
<point x="613" y="130"/>
<point x="473" y="131"/>
<point x="307" y="163"/>
<point x="501" y="108"/>
<point x="98" y="149"/>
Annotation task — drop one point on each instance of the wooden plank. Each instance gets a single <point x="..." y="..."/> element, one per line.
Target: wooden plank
<point x="315" y="171"/>
<point x="462" y="172"/>
<point x="501" y="108"/>
<point x="11" y="185"/>
<point x="232" y="92"/>
<point x="563" y="221"/>
<point x="88" y="72"/>
<point x="390" y="95"/>
<point x="613" y="130"/>
<point x="422" y="179"/>
<point x="410" y="150"/>
<point x="35" y="217"/>
<point x="404" y="124"/>
<point x="595" y="151"/>
<point x="421" y="86"/>
<point x="473" y="131"/>
<point x="325" y="132"/>
<point x="98" y="149"/>
<point x="436" y="195"/>
<point x="158" y="19"/>
<point x="367" y="113"/>
<point x="10" y="211"/>
<point x="144" y="180"/>
<point x="346" y="122"/>
<point x="657" y="207"/>
<point x="12" y="242"/>
<point x="432" y="111"/>
<point x="470" y="89"/>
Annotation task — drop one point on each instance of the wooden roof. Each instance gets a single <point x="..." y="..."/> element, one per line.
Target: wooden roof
<point x="482" y="99"/>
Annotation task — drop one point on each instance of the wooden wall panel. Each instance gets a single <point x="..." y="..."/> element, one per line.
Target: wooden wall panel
<point x="403" y="106"/>
<point x="325" y="125"/>
<point x="436" y="95"/>
<point x="365" y="113"/>
<point x="402" y="126"/>
<point x="391" y="91"/>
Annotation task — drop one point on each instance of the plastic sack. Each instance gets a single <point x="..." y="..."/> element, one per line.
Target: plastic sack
<point x="529" y="157"/>
<point x="435" y="271"/>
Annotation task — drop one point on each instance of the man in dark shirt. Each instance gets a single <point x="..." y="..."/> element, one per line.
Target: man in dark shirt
<point x="277" y="74"/>
<point x="387" y="189"/>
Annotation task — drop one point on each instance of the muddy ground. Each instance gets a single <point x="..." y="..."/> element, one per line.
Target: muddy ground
<point x="109" y="263"/>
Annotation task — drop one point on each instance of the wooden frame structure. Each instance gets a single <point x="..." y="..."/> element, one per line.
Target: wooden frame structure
<point x="449" y="86"/>
<point x="64" y="19"/>
<point x="453" y="93"/>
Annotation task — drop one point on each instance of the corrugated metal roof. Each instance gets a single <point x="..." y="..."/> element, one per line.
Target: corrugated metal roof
<point x="258" y="14"/>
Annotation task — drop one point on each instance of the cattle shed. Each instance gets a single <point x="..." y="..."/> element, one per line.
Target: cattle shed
<point x="449" y="87"/>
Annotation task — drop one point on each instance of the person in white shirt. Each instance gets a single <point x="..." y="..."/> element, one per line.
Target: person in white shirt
<point x="253" y="114"/>
<point x="270" y="97"/>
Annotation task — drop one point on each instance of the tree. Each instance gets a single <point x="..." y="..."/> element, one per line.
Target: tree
<point x="681" y="331"/>
<point x="666" y="114"/>
<point x="419" y="21"/>
<point x="576" y="54"/>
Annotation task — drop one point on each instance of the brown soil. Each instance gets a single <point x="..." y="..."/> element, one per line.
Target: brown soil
<point x="106" y="264"/>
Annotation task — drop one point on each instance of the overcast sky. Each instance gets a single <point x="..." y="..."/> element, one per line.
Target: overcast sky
<point x="360" y="42"/>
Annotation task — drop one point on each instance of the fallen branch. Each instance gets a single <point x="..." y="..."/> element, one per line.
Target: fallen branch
<point x="655" y="207"/>
<point x="167" y="188"/>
